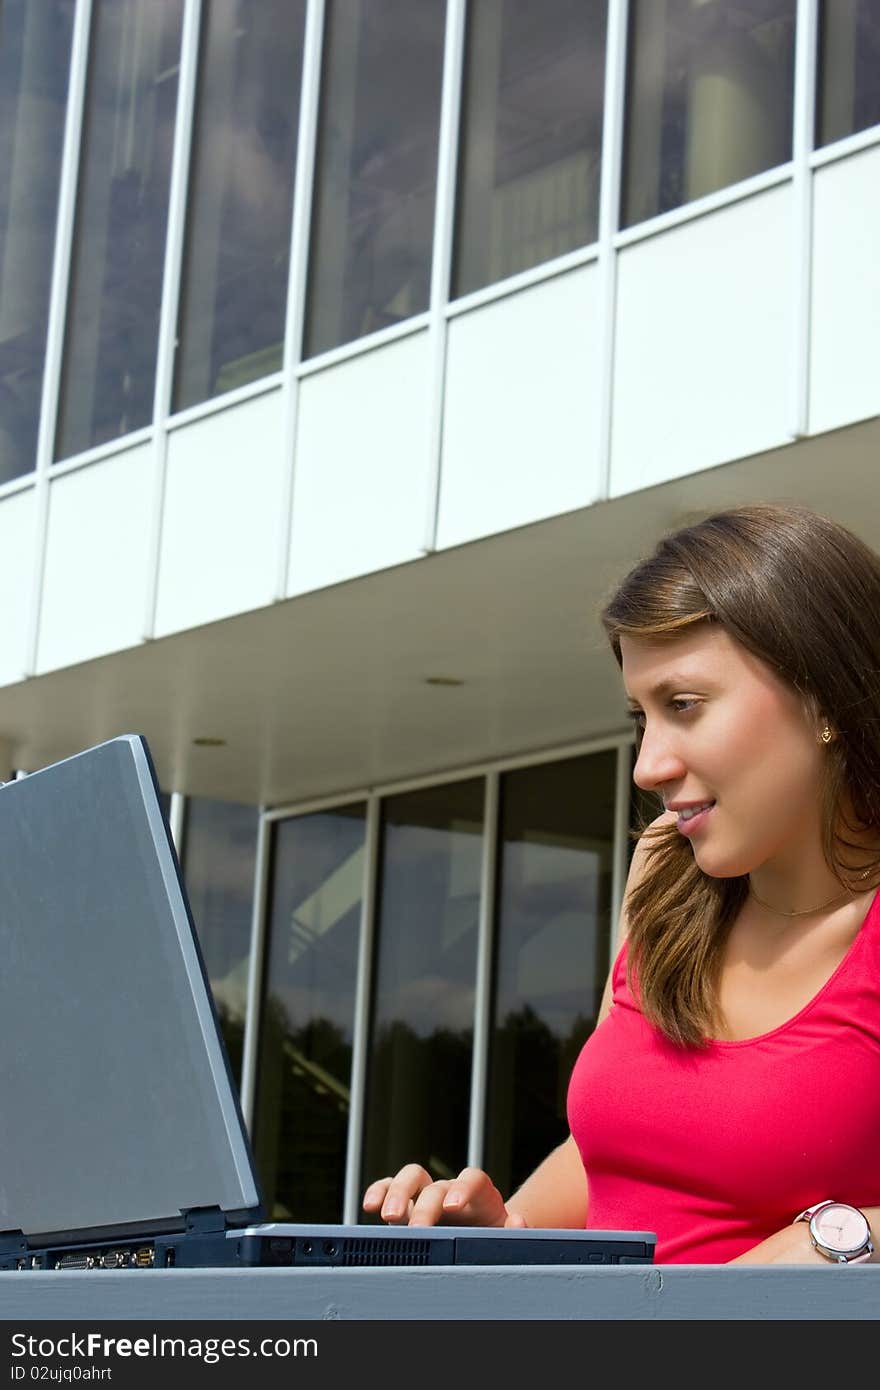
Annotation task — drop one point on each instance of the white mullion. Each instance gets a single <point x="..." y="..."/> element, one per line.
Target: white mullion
<point x="176" y="819"/>
<point x="843" y="148"/>
<point x="483" y="985"/>
<point x="442" y="248"/>
<point x="360" y="1028"/>
<point x="609" y="215"/>
<point x="297" y="279"/>
<point x="255" y="972"/>
<point x="64" y="228"/>
<point x="174" y="242"/>
<point x="803" y="131"/>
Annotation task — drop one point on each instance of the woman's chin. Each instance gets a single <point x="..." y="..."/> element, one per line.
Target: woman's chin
<point x="716" y="864"/>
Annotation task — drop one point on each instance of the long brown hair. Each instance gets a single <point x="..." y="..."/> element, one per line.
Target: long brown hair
<point x="802" y="593"/>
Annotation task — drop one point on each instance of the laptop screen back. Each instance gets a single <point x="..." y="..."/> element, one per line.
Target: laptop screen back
<point x="115" y="1092"/>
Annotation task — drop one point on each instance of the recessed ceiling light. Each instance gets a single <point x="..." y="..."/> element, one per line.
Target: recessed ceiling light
<point x="443" y="680"/>
<point x="205" y="741"/>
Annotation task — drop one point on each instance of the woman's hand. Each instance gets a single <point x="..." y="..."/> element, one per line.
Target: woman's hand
<point x="413" y="1198"/>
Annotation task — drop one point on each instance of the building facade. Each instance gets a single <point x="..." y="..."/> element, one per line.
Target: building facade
<point x="350" y="350"/>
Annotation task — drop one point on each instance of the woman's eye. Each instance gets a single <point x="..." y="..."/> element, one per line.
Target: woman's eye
<point x="683" y="704"/>
<point x="680" y="705"/>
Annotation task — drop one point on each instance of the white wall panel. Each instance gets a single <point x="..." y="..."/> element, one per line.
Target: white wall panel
<point x="95" y="574"/>
<point x="845" y="340"/>
<point x="17" y="543"/>
<point x="359" y="494"/>
<point x="521" y="426"/>
<point x="219" y="550"/>
<point x="703" y="356"/>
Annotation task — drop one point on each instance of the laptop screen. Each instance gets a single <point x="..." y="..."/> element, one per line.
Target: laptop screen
<point x="115" y="1091"/>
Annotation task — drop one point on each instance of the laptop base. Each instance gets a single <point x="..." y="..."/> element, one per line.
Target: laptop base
<point x="313" y="1246"/>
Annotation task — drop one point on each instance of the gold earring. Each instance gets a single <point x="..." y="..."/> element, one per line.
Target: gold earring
<point x="826" y="735"/>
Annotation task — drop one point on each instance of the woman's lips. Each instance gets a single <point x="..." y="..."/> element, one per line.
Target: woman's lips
<point x="693" y="823"/>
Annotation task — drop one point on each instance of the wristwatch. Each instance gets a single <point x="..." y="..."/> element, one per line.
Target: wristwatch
<point x="839" y="1232"/>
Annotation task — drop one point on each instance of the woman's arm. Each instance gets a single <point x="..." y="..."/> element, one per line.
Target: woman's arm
<point x="555" y="1194"/>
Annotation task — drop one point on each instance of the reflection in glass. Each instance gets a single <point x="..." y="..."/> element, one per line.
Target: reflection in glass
<point x="373" y="221"/>
<point x="234" y="287"/>
<point x="34" y="63"/>
<point x="709" y="98"/>
<point x="304" y="1064"/>
<point x="219" y="851"/>
<point x="644" y="806"/>
<point x="556" y="840"/>
<point x="419" y="1074"/>
<point x="531" y="135"/>
<point x="119" y="244"/>
<point x="849" y="68"/>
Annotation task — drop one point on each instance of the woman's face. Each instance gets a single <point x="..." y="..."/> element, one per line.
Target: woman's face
<point x="719" y="727"/>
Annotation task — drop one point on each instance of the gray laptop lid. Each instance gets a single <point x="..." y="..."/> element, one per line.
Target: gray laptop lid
<point x="117" y="1103"/>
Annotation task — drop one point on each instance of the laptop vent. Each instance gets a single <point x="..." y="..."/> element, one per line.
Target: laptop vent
<point x="385" y="1252"/>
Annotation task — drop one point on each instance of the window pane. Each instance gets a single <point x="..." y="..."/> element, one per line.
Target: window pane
<point x="531" y="135"/>
<point x="556" y="839"/>
<point x="419" y="1080"/>
<point x="304" y="1081"/>
<point x="709" y="98"/>
<point x="373" y="222"/>
<point x="849" y="68"/>
<point x="234" y="288"/>
<point x="34" y="62"/>
<point x="219" y="852"/>
<point x="119" y="245"/>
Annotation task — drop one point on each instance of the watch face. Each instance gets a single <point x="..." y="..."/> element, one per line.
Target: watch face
<point x="841" y="1228"/>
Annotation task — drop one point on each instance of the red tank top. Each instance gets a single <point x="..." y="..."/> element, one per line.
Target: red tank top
<point x="716" y="1149"/>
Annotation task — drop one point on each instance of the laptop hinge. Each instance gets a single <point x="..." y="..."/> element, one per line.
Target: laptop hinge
<point x="12" y="1242"/>
<point x="204" y="1218"/>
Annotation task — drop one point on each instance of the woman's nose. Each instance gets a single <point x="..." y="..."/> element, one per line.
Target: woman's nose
<point x="657" y="763"/>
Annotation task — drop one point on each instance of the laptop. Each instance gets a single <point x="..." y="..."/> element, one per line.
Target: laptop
<point x="123" y="1143"/>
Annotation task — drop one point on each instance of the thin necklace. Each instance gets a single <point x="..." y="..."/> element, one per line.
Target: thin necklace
<point x="805" y="911"/>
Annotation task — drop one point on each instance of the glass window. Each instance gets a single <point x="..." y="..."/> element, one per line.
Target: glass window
<point x="109" y="364"/>
<point x="419" y="1077"/>
<point x="373" y="216"/>
<point x="556" y="842"/>
<point x="849" y="68"/>
<point x="304" y="1073"/>
<point x="237" y="250"/>
<point x="219" y="852"/>
<point x="709" y="98"/>
<point x="531" y="143"/>
<point x="34" y="63"/>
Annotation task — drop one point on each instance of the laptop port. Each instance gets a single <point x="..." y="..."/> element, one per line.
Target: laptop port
<point x="143" y="1258"/>
<point x="113" y="1259"/>
<point x="75" y="1262"/>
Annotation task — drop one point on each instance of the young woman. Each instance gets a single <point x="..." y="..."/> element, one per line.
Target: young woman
<point x="732" y="1082"/>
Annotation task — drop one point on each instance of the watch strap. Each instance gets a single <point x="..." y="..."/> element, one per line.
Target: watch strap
<point x="809" y="1212"/>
